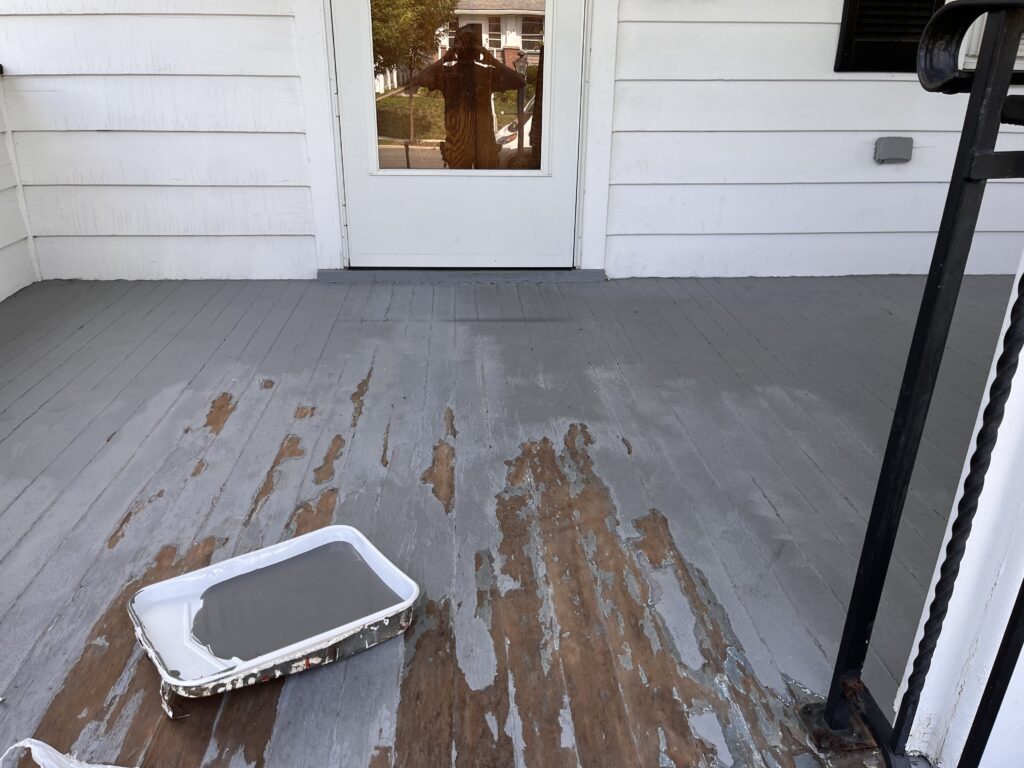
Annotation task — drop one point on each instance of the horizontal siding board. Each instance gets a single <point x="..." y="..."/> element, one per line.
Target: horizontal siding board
<point x="166" y="45"/>
<point x="15" y="268"/>
<point x="217" y="7"/>
<point x="783" y="157"/>
<point x="815" y="254"/>
<point x="12" y="225"/>
<point x="786" y="106"/>
<point x="156" y="158"/>
<point x="7" y="179"/>
<point x="65" y="210"/>
<point x="175" y="258"/>
<point x="804" y="11"/>
<point x="733" y="52"/>
<point x="154" y="103"/>
<point x="801" y="208"/>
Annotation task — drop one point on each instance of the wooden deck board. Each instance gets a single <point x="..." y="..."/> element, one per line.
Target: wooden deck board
<point x="751" y="414"/>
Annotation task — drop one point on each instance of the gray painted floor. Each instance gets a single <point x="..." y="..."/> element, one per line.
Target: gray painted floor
<point x="630" y="481"/>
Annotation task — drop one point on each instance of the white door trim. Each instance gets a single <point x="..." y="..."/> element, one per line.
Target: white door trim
<point x="601" y="34"/>
<point x="315" y="45"/>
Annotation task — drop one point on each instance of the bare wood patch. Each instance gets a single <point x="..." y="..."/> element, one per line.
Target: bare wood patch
<point x="313" y="515"/>
<point x="577" y="635"/>
<point x="221" y="408"/>
<point x="449" y="423"/>
<point x="304" y="411"/>
<point x="199" y="468"/>
<point x="629" y="446"/>
<point x="325" y="472"/>
<point x="85" y="695"/>
<point x="266" y="383"/>
<point x="133" y="510"/>
<point x="381" y="758"/>
<point x="359" y="396"/>
<point x="440" y="475"/>
<point x="245" y="725"/>
<point x="384" y="460"/>
<point x="439" y="715"/>
<point x="291" y="448"/>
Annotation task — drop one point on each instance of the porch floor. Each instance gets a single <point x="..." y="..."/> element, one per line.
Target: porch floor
<point x="633" y="508"/>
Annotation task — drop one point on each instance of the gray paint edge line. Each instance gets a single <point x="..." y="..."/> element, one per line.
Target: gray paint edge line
<point x="420" y="276"/>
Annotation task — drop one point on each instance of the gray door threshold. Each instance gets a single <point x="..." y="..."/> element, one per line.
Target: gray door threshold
<point x="350" y="276"/>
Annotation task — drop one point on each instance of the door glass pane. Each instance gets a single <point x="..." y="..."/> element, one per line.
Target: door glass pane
<point x="457" y="87"/>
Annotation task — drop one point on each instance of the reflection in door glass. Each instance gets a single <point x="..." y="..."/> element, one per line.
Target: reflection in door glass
<point x="457" y="85"/>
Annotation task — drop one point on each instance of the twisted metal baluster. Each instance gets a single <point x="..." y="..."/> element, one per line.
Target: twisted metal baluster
<point x="998" y="393"/>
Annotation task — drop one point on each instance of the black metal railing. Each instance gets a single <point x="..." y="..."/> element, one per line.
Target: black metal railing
<point x="977" y="161"/>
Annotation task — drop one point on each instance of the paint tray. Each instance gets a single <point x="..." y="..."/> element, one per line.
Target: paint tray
<point x="283" y="609"/>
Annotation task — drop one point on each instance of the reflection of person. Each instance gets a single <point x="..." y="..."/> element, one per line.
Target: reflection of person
<point x="466" y="76"/>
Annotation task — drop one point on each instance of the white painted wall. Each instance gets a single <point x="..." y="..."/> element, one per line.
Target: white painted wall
<point x="736" y="150"/>
<point x="17" y="268"/>
<point x="198" y="138"/>
<point x="174" y="138"/>
<point x="990" y="577"/>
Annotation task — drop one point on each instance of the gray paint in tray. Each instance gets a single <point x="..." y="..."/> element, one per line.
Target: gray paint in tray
<point x="283" y="603"/>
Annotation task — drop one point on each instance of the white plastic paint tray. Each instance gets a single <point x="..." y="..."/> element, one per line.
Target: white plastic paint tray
<point x="305" y="602"/>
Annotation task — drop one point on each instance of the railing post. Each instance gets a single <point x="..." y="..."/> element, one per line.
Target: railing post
<point x="989" y="86"/>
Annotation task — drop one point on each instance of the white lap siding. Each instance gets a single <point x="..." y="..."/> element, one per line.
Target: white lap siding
<point x="170" y="138"/>
<point x="736" y="150"/>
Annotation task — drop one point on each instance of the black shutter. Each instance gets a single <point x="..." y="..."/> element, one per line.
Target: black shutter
<point x="882" y="35"/>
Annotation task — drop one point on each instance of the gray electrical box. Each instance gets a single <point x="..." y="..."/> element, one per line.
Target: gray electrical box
<point x="894" y="149"/>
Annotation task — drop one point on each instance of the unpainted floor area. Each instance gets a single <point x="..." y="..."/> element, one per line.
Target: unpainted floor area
<point x="634" y="508"/>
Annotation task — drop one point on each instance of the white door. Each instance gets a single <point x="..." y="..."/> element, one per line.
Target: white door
<point x="468" y="187"/>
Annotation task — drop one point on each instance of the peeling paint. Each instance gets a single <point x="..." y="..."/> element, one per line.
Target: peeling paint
<point x="304" y="411"/>
<point x="291" y="448"/>
<point x="199" y="468"/>
<point x="109" y="653"/>
<point x="587" y="671"/>
<point x="381" y="758"/>
<point x="134" y="509"/>
<point x="325" y="472"/>
<point x="220" y="411"/>
<point x="440" y="475"/>
<point x="313" y="515"/>
<point x="358" y="397"/>
<point x="266" y="383"/>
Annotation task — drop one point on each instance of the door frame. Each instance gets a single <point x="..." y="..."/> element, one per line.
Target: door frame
<point x="597" y="95"/>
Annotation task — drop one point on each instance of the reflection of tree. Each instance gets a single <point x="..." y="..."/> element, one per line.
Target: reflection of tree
<point x="406" y="34"/>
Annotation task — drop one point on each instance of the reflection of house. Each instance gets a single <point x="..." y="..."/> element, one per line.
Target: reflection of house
<point x="505" y="26"/>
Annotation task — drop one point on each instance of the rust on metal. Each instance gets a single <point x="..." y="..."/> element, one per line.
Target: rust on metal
<point x="440" y="475"/>
<point x="221" y="408"/>
<point x="291" y="448"/>
<point x="325" y="472"/>
<point x="358" y="397"/>
<point x="304" y="411"/>
<point x="199" y="468"/>
<point x="133" y="509"/>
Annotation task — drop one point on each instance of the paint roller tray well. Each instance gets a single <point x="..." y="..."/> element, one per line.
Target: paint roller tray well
<point x="304" y="602"/>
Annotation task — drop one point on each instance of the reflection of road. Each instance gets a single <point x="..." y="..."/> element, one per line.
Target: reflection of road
<point x="419" y="157"/>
